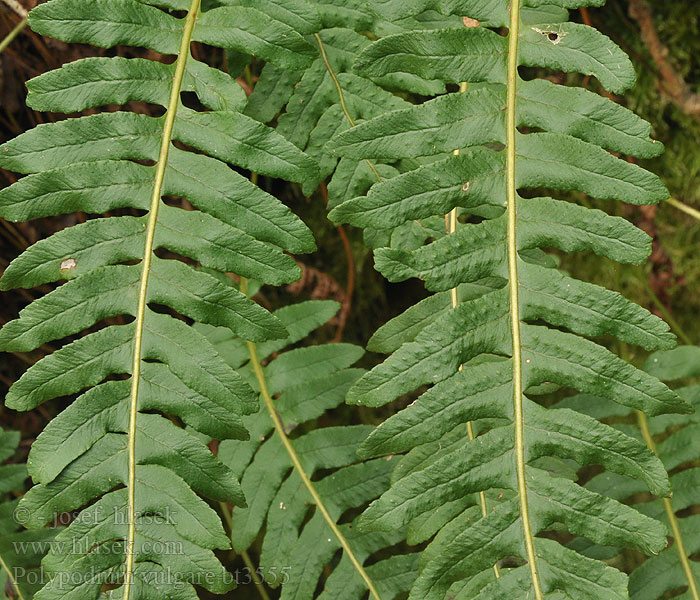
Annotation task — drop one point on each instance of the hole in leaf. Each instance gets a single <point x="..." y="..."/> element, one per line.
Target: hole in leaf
<point x="553" y="36"/>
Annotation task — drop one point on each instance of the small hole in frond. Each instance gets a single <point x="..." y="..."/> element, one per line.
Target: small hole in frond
<point x="553" y="36"/>
<point x="68" y="264"/>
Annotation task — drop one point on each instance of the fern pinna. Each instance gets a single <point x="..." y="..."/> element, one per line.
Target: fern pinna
<point x="276" y="464"/>
<point x="524" y="324"/>
<point x="21" y="550"/>
<point x="327" y="98"/>
<point x="673" y="573"/>
<point x="142" y="278"/>
<point x="678" y="451"/>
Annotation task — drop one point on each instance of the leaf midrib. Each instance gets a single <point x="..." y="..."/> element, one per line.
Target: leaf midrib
<point x="513" y="282"/>
<point x="143" y="298"/>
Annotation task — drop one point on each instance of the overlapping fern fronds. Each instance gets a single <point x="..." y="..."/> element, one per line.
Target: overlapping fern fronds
<point x="523" y="323"/>
<point x="673" y="573"/>
<point x="137" y="281"/>
<point x="328" y="97"/>
<point x="298" y="546"/>
<point x="678" y="451"/>
<point x="21" y="550"/>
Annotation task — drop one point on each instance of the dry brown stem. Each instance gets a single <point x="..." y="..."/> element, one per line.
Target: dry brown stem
<point x="671" y="83"/>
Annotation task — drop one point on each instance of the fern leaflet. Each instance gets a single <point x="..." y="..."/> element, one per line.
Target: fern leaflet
<point x="117" y="452"/>
<point x="677" y="452"/>
<point x="523" y="323"/>
<point x="276" y="466"/>
<point x="674" y="451"/>
<point x="21" y="550"/>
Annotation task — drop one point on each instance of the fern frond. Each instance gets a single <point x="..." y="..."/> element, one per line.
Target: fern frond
<point x="329" y="98"/>
<point x="321" y="102"/>
<point x="136" y="282"/>
<point x="677" y="451"/>
<point x="21" y="550"/>
<point x="276" y="468"/>
<point x="523" y="324"/>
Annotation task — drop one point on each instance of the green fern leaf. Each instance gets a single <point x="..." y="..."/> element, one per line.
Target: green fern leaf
<point x="678" y="453"/>
<point x="524" y="324"/>
<point x="106" y="23"/>
<point x="328" y="99"/>
<point x="21" y="550"/>
<point x="298" y="544"/>
<point x="113" y="452"/>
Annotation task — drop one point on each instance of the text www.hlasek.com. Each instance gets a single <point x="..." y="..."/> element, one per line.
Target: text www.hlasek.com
<point x="82" y="547"/>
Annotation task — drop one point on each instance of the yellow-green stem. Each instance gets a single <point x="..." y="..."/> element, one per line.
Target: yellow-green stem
<point x="306" y="480"/>
<point x="451" y="227"/>
<point x="226" y="513"/>
<point x="248" y="76"/>
<point x="259" y="583"/>
<point x="341" y="96"/>
<point x="11" y="579"/>
<point x="13" y="34"/>
<point x="688" y="210"/>
<point x="143" y="287"/>
<point x="671" y="516"/>
<point x="512" y="209"/>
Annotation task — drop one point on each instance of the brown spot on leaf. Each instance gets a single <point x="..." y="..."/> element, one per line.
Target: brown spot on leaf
<point x="68" y="264"/>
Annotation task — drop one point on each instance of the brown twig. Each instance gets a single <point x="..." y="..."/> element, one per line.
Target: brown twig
<point x="662" y="276"/>
<point x="16" y="7"/>
<point x="672" y="84"/>
<point x="350" y="282"/>
<point x="349" y="285"/>
<point x="585" y="17"/>
<point x="322" y="286"/>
